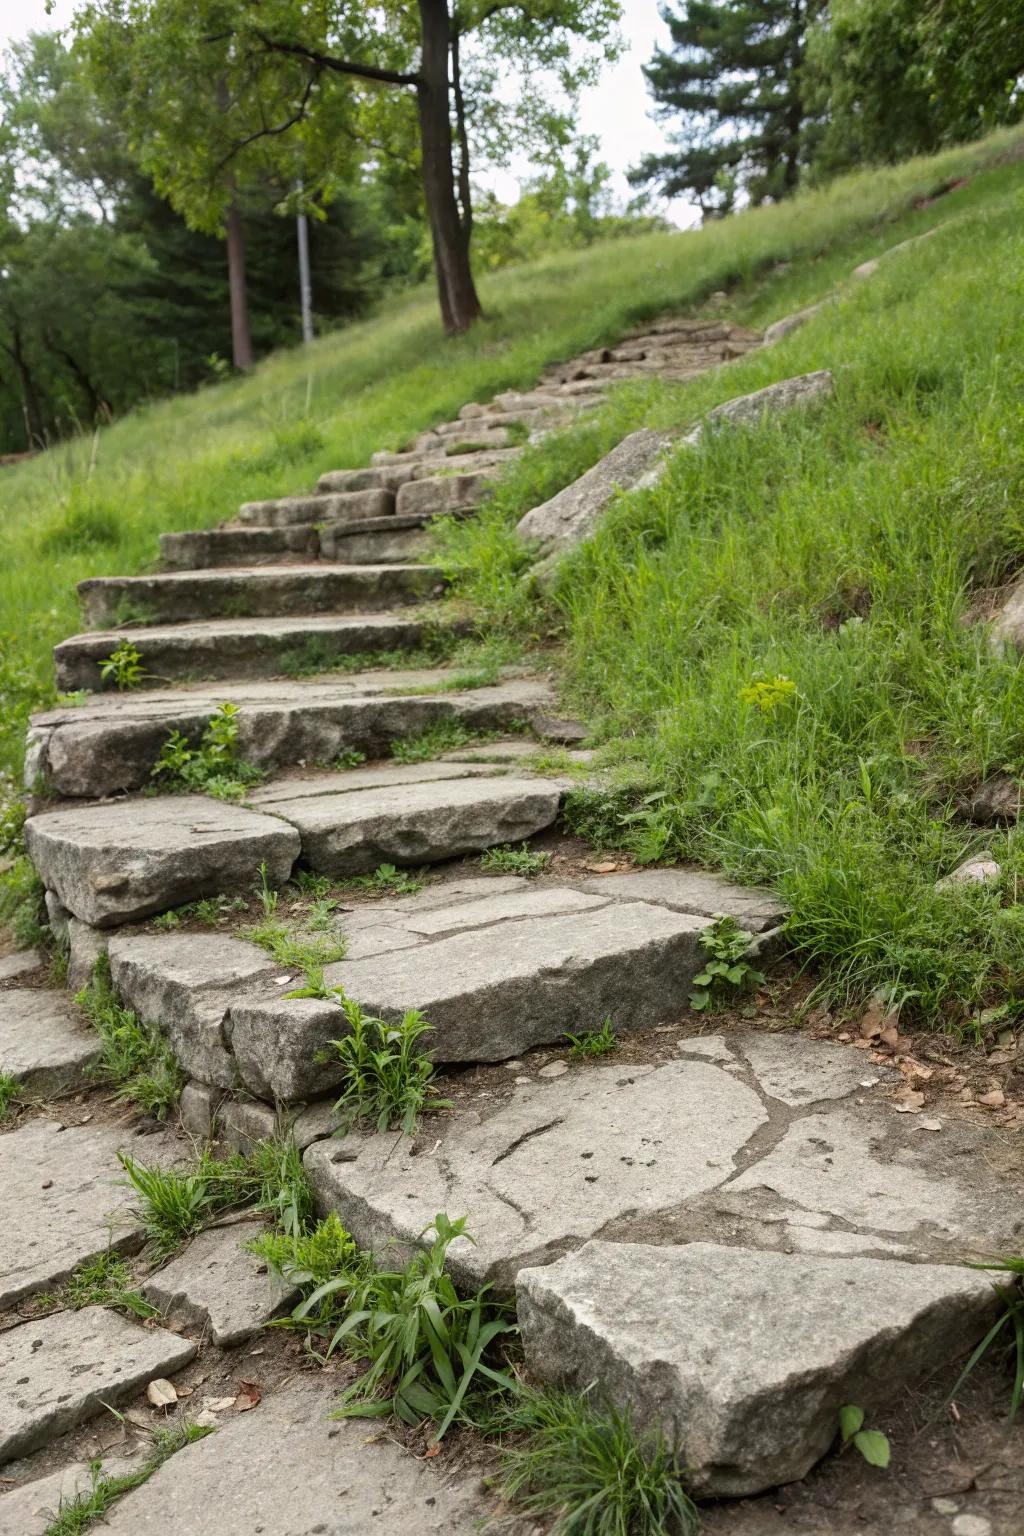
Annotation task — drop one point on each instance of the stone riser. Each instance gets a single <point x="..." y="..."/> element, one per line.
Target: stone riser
<point x="252" y="593"/>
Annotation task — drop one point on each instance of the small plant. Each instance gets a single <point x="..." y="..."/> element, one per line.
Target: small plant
<point x="106" y="1281"/>
<point x="388" y="1076"/>
<point x="124" y="667"/>
<point x="592" y="1470"/>
<point x="871" y="1443"/>
<point x="1007" y="1332"/>
<point x="594" y="1042"/>
<point x="297" y="951"/>
<point x="10" y="1090"/>
<point x="726" y="944"/>
<point x="327" y="1255"/>
<point x="767" y="693"/>
<point x="514" y="861"/>
<point x="431" y="1351"/>
<point x="350" y="757"/>
<point x="310" y="884"/>
<point x="265" y="894"/>
<point x="443" y="737"/>
<point x="80" y="1512"/>
<point x="321" y="915"/>
<point x="174" y="1206"/>
<point x="134" y="1056"/>
<point x="213" y="767"/>
<point x="387" y="880"/>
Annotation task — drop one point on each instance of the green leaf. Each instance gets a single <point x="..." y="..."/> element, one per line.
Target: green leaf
<point x="850" y="1420"/>
<point x="873" y="1446"/>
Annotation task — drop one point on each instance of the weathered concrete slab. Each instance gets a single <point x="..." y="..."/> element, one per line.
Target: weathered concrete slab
<point x="289" y="1470"/>
<point x="118" y="862"/>
<point x="744" y="1358"/>
<point x="201" y="548"/>
<point x="42" y="1041"/>
<point x="802" y="1077"/>
<point x="218" y="1288"/>
<point x="693" y="890"/>
<point x="238" y="648"/>
<point x="572" y="515"/>
<point x="418" y="823"/>
<point x="112" y="742"/>
<point x="252" y="592"/>
<point x="290" y="511"/>
<point x="555" y="1166"/>
<point x="64" y="1198"/>
<point x="31" y="1507"/>
<point x="61" y="1370"/>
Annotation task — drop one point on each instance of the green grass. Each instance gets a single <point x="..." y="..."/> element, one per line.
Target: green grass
<point x="514" y="861"/>
<point x="10" y="1094"/>
<point x="88" y="1508"/>
<point x="134" y="1056"/>
<point x="596" y="1042"/>
<point x="106" y="1281"/>
<point x="388" y="1075"/>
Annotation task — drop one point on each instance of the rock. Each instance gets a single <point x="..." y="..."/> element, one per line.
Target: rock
<point x="201" y="548"/>
<point x="693" y="890"/>
<point x="980" y="869"/>
<point x="216" y="1286"/>
<point x="242" y="1123"/>
<point x="755" y="1405"/>
<point x="790" y="323"/>
<point x="282" y="793"/>
<point x="554" y="1069"/>
<point x="337" y="507"/>
<point x="383" y="539"/>
<point x="558" y="1164"/>
<point x="112" y="864"/>
<point x="563" y="733"/>
<point x="64" y="1198"/>
<point x="804" y="1077"/>
<point x="198" y="1110"/>
<point x="85" y="946"/>
<point x="58" y="1371"/>
<point x="162" y="1393"/>
<point x="43" y="1043"/>
<point x="571" y="516"/>
<point x="706" y="1047"/>
<point x="444" y="495"/>
<point x="347" y="834"/>
<point x="806" y="389"/>
<point x="288" y="1470"/>
<point x="258" y="591"/>
<point x="997" y="801"/>
<point x="21" y="964"/>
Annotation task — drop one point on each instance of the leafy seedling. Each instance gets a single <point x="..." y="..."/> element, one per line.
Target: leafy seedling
<point x="124" y="667"/>
<point x="871" y="1443"/>
<point x="726" y="969"/>
<point x="594" y="1042"/>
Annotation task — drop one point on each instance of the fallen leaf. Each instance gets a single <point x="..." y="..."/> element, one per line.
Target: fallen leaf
<point x="995" y="1099"/>
<point x="162" y="1393"/>
<point x="249" y="1394"/>
<point x="909" y="1102"/>
<point x="871" y="1024"/>
<point x="207" y="1420"/>
<point x="432" y="1450"/>
<point x="218" y="1404"/>
<point x="601" y="869"/>
<point x="928" y="1125"/>
<point x="844" y="1037"/>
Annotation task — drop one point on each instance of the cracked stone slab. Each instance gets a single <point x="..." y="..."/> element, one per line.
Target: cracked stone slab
<point x="281" y="793"/>
<point x="801" y="1077"/>
<point x="744" y="1358"/>
<point x="112" y="742"/>
<point x="58" y="1371"/>
<point x="252" y="591"/>
<point x="216" y="1285"/>
<point x="694" y="890"/>
<point x="418" y="823"/>
<point x="289" y="1470"/>
<point x="64" y="1197"/>
<point x="116" y="863"/>
<point x="549" y="1169"/>
<point x="43" y="1042"/>
<point x="30" y="1508"/>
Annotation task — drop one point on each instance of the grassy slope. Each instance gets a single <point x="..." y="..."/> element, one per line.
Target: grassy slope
<point x="839" y="551"/>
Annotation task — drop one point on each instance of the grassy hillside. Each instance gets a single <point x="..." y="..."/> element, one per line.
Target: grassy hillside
<point x="773" y="642"/>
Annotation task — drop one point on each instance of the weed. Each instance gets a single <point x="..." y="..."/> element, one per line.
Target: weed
<point x="296" y="951"/>
<point x="431" y="1351"/>
<point x="124" y="667"/>
<point x="321" y="915"/>
<point x="1006" y="1333"/>
<point x="433" y="742"/>
<point x="388" y="1076"/>
<point x="174" y="1206"/>
<point x="767" y="693"/>
<point x="10" y="1091"/>
<point x="134" y="1056"/>
<point x="592" y="1470"/>
<point x="514" y="861"/>
<point x="76" y="1514"/>
<point x="265" y="893"/>
<point x="351" y="757"/>
<point x="326" y="1256"/>
<point x="726" y="944"/>
<point x="22" y="905"/>
<point x="386" y="880"/>
<point x="871" y="1443"/>
<point x="12" y="826"/>
<point x="595" y="1042"/>
<point x="106" y="1281"/>
<point x="169" y="920"/>
<point x="310" y="884"/>
<point x="213" y="767"/>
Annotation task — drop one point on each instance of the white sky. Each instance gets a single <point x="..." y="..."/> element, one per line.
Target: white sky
<point x="615" y="110"/>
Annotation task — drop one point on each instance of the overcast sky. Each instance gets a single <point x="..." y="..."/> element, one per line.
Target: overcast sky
<point x="616" y="110"/>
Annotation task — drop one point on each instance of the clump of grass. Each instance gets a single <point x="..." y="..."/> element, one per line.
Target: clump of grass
<point x="209" y="909"/>
<point x="134" y="1056"/>
<point x="1006" y="1336"/>
<point x="22" y="907"/>
<point x="595" y="1042"/>
<point x="514" y="861"/>
<point x="434" y="742"/>
<point x="592" y="1469"/>
<point x="77" y="1514"/>
<point x="387" y="880"/>
<point x="323" y="1263"/>
<point x="106" y="1281"/>
<point x="387" y="1074"/>
<point x="212" y="768"/>
<point x="299" y="951"/>
<point x="10" y="1096"/>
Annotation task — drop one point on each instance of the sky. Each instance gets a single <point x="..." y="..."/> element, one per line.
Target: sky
<point x="616" y="110"/>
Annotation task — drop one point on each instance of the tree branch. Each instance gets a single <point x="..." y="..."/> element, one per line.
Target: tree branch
<point x="338" y="66"/>
<point x="277" y="129"/>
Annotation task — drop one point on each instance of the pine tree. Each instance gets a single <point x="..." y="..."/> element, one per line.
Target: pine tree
<point x="733" y="78"/>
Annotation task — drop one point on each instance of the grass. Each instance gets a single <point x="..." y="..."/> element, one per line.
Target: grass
<point x="591" y="1469"/>
<point x="10" y="1095"/>
<point x="77" y="1514"/>
<point x="134" y="1056"/>
<point x="387" y="1074"/>
<point x="514" y="861"/>
<point x="298" y="950"/>
<point x="105" y="1281"/>
<point x="1006" y="1336"/>
<point x="388" y="880"/>
<point x="599" y="1042"/>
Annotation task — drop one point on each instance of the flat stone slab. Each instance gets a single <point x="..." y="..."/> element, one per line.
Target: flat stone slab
<point x="216" y="1286"/>
<point x="30" y="1508"/>
<point x="43" y="1042"/>
<point x="200" y="548"/>
<point x="417" y="823"/>
<point x="61" y="1370"/>
<point x="693" y="890"/>
<point x="283" y="793"/>
<point x="252" y="591"/>
<point x="444" y="494"/>
<point x="549" y="1169"/>
<point x="237" y="648"/>
<point x="332" y="506"/>
<point x="23" y="963"/>
<point x="65" y="1199"/>
<point x="288" y="1470"/>
<point x="111" y="743"/>
<point x="116" y="863"/>
<point x="743" y="1358"/>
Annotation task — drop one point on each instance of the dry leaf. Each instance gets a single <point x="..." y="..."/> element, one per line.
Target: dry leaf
<point x="602" y="869"/>
<point x="432" y="1450"/>
<point x="928" y="1125"/>
<point x="218" y="1404"/>
<point x="162" y="1393"/>
<point x="871" y="1024"/>
<point x="995" y="1099"/>
<point x="249" y="1394"/>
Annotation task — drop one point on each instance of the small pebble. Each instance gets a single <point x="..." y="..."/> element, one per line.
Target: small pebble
<point x="945" y="1506"/>
<point x="553" y="1069"/>
<point x="513" y="1066"/>
<point x="972" y="1525"/>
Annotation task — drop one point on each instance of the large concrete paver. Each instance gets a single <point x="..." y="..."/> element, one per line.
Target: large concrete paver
<point x="215" y="1285"/>
<point x="42" y="1043"/>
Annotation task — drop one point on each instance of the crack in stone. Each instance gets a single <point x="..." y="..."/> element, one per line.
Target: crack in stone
<point x="537" y="1130"/>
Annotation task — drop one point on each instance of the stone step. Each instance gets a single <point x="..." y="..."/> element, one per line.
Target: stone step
<point x="478" y="439"/>
<point x="110" y="744"/>
<point x="252" y="592"/>
<point x="201" y="548"/>
<point x="289" y="511"/>
<point x="239" y="648"/>
<point x="385" y="539"/>
<point x="393" y="475"/>
<point x="457" y="493"/>
<point x="43" y="1045"/>
<point x="217" y="1288"/>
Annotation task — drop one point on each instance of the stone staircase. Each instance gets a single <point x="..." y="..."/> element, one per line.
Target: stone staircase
<point x="704" y="1230"/>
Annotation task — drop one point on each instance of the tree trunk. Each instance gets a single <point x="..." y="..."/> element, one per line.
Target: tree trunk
<point x="241" y="341"/>
<point x="31" y="410"/>
<point x="460" y="305"/>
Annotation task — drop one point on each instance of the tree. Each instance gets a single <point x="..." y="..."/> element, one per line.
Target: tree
<point x="328" y="80"/>
<point x="735" y="78"/>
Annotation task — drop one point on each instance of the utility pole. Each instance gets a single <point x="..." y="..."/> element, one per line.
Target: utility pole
<point x="305" y="281"/>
